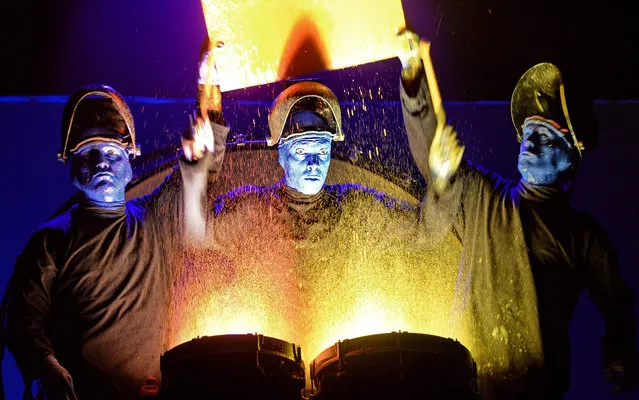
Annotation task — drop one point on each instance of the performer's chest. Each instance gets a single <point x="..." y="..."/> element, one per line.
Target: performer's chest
<point x="113" y="267"/>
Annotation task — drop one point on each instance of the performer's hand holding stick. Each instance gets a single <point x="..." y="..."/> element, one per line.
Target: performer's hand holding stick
<point x="208" y="104"/>
<point x="446" y="151"/>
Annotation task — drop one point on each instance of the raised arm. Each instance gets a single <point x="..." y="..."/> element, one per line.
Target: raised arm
<point x="206" y="143"/>
<point x="417" y="108"/>
<point x="433" y="144"/>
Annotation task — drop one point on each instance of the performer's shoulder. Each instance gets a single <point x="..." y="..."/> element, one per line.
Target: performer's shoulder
<point x="588" y="223"/>
<point x="241" y="194"/>
<point x="482" y="176"/>
<point x="60" y="223"/>
<point x="344" y="191"/>
<point x="353" y="191"/>
<point x="55" y="229"/>
<point x="246" y="191"/>
<point x="477" y="169"/>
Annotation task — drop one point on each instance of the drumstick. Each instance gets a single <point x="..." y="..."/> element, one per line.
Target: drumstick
<point x="433" y="88"/>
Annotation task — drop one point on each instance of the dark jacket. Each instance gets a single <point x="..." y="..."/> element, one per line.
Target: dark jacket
<point x="527" y="255"/>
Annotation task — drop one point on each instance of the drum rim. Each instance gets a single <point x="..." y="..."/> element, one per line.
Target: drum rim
<point x="236" y="344"/>
<point x="342" y="349"/>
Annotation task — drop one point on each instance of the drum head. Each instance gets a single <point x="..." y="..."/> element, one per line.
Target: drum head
<point x="233" y="367"/>
<point x="395" y="366"/>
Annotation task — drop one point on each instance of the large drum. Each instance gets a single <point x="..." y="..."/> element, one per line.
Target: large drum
<point x="233" y="367"/>
<point x="395" y="366"/>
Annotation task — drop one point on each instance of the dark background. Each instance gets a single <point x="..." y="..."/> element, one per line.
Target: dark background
<point x="480" y="47"/>
<point x="147" y="49"/>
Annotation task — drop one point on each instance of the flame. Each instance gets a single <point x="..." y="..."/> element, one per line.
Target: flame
<point x="266" y="40"/>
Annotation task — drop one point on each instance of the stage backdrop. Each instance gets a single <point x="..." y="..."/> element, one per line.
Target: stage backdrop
<point x="35" y="184"/>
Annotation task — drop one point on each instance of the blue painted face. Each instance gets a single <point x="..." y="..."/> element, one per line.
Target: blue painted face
<point x="305" y="161"/>
<point x="101" y="170"/>
<point x="545" y="154"/>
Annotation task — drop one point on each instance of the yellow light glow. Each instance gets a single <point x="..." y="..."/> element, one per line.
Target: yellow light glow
<point x="368" y="276"/>
<point x="370" y="318"/>
<point x="269" y="40"/>
<point x="216" y="298"/>
<point x="367" y="319"/>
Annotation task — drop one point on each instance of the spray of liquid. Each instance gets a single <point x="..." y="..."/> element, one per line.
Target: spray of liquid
<point x="367" y="274"/>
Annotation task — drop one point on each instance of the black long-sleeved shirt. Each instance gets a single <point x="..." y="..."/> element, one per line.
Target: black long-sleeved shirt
<point x="92" y="287"/>
<point x="527" y="255"/>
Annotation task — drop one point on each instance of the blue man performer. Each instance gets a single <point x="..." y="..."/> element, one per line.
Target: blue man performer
<point x="87" y="302"/>
<point x="527" y="253"/>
